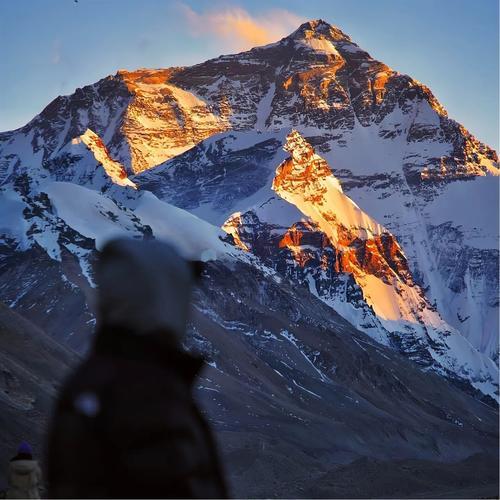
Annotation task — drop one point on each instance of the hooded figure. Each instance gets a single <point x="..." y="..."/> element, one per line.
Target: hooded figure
<point x="126" y="425"/>
<point x="24" y="474"/>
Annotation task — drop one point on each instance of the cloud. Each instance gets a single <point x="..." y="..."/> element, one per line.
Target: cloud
<point x="238" y="29"/>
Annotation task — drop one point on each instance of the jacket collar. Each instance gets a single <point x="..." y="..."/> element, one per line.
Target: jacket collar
<point x="154" y="347"/>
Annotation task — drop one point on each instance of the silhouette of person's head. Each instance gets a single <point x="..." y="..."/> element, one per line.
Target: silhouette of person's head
<point x="145" y="287"/>
<point x="24" y="449"/>
<point x="24" y="452"/>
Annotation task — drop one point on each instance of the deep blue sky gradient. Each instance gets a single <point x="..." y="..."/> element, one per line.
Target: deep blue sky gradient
<point x="51" y="47"/>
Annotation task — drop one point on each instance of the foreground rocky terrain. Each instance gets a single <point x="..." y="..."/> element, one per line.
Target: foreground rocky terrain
<point x="297" y="392"/>
<point x="33" y="367"/>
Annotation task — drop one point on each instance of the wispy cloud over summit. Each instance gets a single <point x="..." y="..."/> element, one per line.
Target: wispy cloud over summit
<point x="238" y="29"/>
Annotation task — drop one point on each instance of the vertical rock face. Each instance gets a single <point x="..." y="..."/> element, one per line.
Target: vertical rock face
<point x="333" y="247"/>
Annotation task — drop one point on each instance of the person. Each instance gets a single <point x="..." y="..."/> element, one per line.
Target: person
<point x="24" y="475"/>
<point x="126" y="425"/>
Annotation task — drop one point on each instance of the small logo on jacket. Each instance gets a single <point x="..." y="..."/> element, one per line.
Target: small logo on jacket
<point x="87" y="403"/>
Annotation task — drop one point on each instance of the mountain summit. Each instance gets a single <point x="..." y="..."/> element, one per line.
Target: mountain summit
<point x="318" y="29"/>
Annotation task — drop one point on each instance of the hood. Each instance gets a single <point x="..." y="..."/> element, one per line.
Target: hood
<point x="144" y="287"/>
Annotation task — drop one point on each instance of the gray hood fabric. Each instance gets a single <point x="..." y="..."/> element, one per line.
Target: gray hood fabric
<point x="144" y="286"/>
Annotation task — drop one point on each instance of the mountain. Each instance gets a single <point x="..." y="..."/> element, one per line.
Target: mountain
<point x="223" y="124"/>
<point x="393" y="147"/>
<point x="350" y="232"/>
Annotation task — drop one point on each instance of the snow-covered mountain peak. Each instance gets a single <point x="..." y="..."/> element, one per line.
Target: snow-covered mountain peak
<point x="300" y="150"/>
<point x="320" y="30"/>
<point x="403" y="173"/>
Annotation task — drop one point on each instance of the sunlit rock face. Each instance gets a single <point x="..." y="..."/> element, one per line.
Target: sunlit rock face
<point x="163" y="120"/>
<point x="316" y="77"/>
<point x="406" y="214"/>
<point x="346" y="258"/>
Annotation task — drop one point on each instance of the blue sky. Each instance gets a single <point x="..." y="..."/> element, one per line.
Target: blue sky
<point x="51" y="47"/>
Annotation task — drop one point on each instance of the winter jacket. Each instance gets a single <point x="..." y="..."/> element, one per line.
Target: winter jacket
<point x="126" y="425"/>
<point x="24" y="478"/>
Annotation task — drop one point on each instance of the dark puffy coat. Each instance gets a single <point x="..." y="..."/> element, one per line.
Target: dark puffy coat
<point x="126" y="425"/>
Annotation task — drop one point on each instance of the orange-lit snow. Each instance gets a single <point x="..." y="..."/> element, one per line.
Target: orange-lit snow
<point x="306" y="181"/>
<point x="115" y="170"/>
<point x="231" y="227"/>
